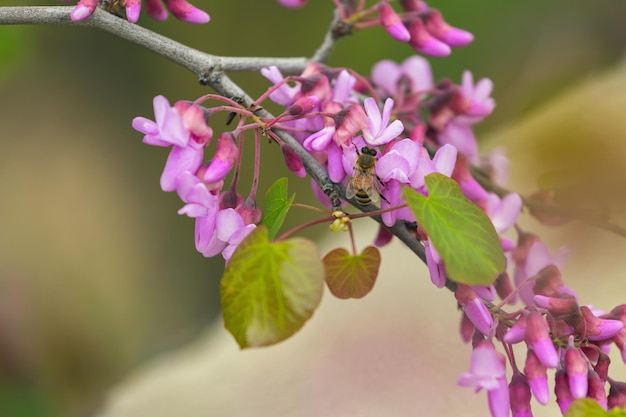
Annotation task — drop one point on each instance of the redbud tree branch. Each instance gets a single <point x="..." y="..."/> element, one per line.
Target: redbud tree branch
<point x="211" y="70"/>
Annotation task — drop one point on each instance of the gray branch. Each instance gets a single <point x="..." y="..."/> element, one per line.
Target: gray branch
<point x="210" y="70"/>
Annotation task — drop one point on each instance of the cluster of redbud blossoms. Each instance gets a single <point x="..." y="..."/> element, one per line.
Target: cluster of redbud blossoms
<point x="422" y="127"/>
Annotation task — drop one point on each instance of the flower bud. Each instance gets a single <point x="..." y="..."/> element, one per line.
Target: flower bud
<point x="392" y="23"/>
<point x="83" y="10"/>
<point x="383" y="237"/>
<point x="617" y="394"/>
<point x="596" y="389"/>
<point x="224" y="159"/>
<point x="474" y="308"/>
<point x="423" y="42"/>
<point x="293" y="161"/>
<point x="184" y="11"/>
<point x="537" y="377"/>
<point x="303" y="105"/>
<point x="538" y="337"/>
<point x="561" y="389"/>
<point x="517" y="332"/>
<point x="519" y="394"/>
<point x="438" y="27"/>
<point x="133" y="7"/>
<point x="576" y="369"/>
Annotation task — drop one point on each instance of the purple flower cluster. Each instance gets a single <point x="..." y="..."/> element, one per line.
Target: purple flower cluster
<point x="181" y="9"/>
<point x="223" y="219"/>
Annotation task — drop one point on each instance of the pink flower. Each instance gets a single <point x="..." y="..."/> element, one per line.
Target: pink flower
<point x="379" y="131"/>
<point x="387" y="75"/>
<point x="487" y="371"/>
<point x="225" y="157"/>
<point x="169" y="130"/>
<point x="229" y="231"/>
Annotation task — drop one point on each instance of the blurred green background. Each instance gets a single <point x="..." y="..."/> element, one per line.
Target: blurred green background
<point x="97" y="271"/>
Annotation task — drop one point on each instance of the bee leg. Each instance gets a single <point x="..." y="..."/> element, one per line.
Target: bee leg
<point x="383" y="197"/>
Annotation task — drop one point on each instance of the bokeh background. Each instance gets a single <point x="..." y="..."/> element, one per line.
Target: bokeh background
<point x="97" y="272"/>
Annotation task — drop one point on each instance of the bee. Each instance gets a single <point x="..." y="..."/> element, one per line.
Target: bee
<point x="363" y="185"/>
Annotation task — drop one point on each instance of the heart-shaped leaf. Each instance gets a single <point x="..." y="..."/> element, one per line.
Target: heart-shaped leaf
<point x="277" y="204"/>
<point x="460" y="231"/>
<point x="270" y="289"/>
<point x="351" y="276"/>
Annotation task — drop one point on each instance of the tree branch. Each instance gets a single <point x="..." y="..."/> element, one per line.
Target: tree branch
<point x="200" y="63"/>
<point x="211" y="70"/>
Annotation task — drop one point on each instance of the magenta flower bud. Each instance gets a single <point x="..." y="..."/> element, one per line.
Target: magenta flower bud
<point x="83" y="10"/>
<point x="517" y="332"/>
<point x="225" y="157"/>
<point x="413" y="5"/>
<point x="423" y="42"/>
<point x="564" y="305"/>
<point x="303" y="105"/>
<point x="438" y="27"/>
<point x="293" y="4"/>
<point x="576" y="369"/>
<point x="133" y="8"/>
<point x="348" y="122"/>
<point x="596" y="328"/>
<point x="561" y="389"/>
<point x="519" y="394"/>
<point x="537" y="377"/>
<point x="392" y="23"/>
<point x="596" y="389"/>
<point x="156" y="10"/>
<point x="249" y="213"/>
<point x="184" y="11"/>
<point x="293" y="161"/>
<point x="617" y="394"/>
<point x="538" y="338"/>
<point x="383" y="237"/>
<point x="474" y="308"/>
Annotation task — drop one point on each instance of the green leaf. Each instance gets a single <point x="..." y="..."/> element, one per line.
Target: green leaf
<point x="586" y="407"/>
<point x="351" y="276"/>
<point x="460" y="231"/>
<point x="270" y="289"/>
<point x="277" y="203"/>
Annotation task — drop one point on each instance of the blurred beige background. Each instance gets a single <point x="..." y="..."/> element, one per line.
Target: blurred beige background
<point x="99" y="276"/>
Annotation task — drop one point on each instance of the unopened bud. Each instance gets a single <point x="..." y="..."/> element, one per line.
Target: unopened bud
<point x="561" y="389"/>
<point x="438" y="27"/>
<point x="519" y="396"/>
<point x="548" y="282"/>
<point x="537" y="377"/>
<point x="538" y="337"/>
<point x="596" y="389"/>
<point x="423" y="42"/>
<point x="576" y="368"/>
<point x="392" y="23"/>
<point x="303" y="105"/>
<point x="225" y="157"/>
<point x="617" y="394"/>
<point x="293" y="161"/>
<point x="474" y="308"/>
